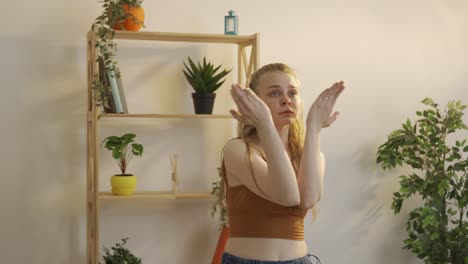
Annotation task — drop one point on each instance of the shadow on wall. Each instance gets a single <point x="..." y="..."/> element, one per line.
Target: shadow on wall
<point x="50" y="84"/>
<point x="360" y="220"/>
<point x="379" y="221"/>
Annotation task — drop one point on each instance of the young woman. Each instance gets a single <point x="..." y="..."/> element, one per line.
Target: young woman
<point x="274" y="170"/>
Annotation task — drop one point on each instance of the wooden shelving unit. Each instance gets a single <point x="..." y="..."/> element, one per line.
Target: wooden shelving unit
<point x="156" y="195"/>
<point x="161" y="116"/>
<point x="247" y="64"/>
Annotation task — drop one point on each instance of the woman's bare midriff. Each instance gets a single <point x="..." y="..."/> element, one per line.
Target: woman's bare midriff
<point x="266" y="249"/>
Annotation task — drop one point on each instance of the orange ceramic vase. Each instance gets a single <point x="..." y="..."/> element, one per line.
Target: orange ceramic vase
<point x="129" y="23"/>
<point x="222" y="240"/>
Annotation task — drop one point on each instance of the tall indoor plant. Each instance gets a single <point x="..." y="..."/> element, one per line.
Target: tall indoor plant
<point x="438" y="229"/>
<point x="123" y="149"/>
<point x="205" y="80"/>
<point x="116" y="15"/>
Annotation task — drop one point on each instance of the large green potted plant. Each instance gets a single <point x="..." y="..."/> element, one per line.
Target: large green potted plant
<point x="116" y="15"/>
<point x="205" y="80"/>
<point x="123" y="149"/>
<point x="120" y="254"/>
<point x="438" y="229"/>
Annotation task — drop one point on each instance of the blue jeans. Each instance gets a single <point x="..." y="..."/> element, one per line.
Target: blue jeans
<point x="230" y="259"/>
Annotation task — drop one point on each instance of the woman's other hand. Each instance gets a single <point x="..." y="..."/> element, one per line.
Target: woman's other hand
<point x="252" y="110"/>
<point x="320" y="113"/>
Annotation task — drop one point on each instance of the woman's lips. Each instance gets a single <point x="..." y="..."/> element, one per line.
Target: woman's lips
<point x="287" y="113"/>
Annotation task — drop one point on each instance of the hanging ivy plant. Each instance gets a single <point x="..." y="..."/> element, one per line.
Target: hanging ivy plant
<point x="114" y="13"/>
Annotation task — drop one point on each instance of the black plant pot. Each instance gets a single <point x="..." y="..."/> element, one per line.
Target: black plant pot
<point x="203" y="102"/>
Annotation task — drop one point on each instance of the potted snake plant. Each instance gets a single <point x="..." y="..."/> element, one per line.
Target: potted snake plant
<point x="205" y="80"/>
<point x="123" y="149"/>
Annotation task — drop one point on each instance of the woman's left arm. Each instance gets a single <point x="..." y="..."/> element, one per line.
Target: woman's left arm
<point x="311" y="170"/>
<point x="312" y="167"/>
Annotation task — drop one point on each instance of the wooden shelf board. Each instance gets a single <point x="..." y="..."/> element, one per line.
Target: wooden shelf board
<point x="156" y="195"/>
<point x="184" y="37"/>
<point x="162" y="116"/>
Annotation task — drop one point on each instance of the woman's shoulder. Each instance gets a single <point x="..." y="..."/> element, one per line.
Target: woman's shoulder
<point x="239" y="150"/>
<point x="240" y="146"/>
<point x="236" y="140"/>
<point x="234" y="145"/>
<point x="232" y="157"/>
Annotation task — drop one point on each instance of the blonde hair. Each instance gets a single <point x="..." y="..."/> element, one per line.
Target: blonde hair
<point x="296" y="129"/>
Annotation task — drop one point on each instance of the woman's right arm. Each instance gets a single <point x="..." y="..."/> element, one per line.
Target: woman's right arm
<point x="270" y="182"/>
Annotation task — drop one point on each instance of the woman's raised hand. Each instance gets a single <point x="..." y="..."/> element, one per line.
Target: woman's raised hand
<point x="320" y="113"/>
<point x="252" y="110"/>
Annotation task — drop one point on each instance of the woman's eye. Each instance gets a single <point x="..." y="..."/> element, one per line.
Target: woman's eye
<point x="274" y="93"/>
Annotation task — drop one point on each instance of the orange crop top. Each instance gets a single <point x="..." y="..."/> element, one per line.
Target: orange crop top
<point x="252" y="216"/>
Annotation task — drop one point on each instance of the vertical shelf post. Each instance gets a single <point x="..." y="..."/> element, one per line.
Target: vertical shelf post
<point x="92" y="250"/>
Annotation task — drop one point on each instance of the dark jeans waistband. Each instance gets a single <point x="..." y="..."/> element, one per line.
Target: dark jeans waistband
<point x="231" y="259"/>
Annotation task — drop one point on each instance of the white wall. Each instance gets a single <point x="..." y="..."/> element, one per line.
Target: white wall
<point x="391" y="54"/>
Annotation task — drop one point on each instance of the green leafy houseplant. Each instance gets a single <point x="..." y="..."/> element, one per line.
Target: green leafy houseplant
<point x="123" y="149"/>
<point x="103" y="26"/>
<point x="204" y="78"/>
<point x="437" y="230"/>
<point x="220" y="203"/>
<point x="120" y="255"/>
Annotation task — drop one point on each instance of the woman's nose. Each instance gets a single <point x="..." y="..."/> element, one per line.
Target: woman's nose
<point x="285" y="101"/>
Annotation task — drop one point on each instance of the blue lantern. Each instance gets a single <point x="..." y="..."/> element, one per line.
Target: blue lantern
<point x="230" y="24"/>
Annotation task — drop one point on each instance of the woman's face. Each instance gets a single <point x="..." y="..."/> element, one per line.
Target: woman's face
<point x="280" y="92"/>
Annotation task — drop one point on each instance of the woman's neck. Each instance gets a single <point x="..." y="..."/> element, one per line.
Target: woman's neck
<point x="283" y="132"/>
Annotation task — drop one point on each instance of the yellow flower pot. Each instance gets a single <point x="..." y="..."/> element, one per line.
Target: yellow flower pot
<point x="123" y="185"/>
